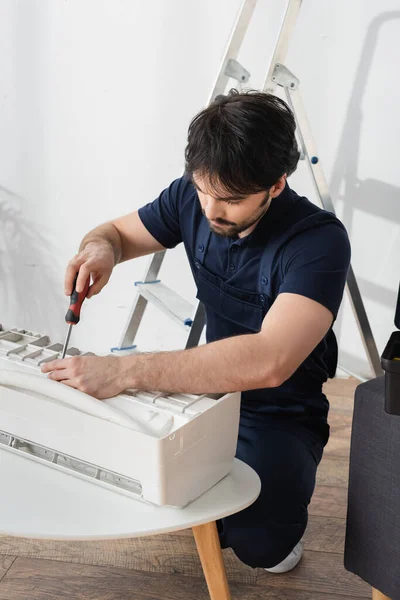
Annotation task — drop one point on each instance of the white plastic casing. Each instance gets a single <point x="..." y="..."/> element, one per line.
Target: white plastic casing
<point x="165" y="449"/>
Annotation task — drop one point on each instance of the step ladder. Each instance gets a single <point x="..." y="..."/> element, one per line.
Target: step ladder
<point x="152" y="289"/>
<point x="190" y="317"/>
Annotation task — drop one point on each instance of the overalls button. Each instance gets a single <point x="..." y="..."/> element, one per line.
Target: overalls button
<point x="262" y="299"/>
<point x="232" y="267"/>
<point x="264" y="280"/>
<point x="201" y="248"/>
<point x="197" y="264"/>
<point x="233" y="248"/>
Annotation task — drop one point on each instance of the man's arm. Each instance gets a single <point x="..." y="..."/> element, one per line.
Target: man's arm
<point x="127" y="236"/>
<point x="291" y="330"/>
<point x="106" y="246"/>
<point x="152" y="228"/>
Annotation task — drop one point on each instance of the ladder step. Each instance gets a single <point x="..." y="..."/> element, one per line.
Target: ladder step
<point x="171" y="303"/>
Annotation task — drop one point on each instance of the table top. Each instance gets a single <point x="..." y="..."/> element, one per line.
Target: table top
<point x="37" y="501"/>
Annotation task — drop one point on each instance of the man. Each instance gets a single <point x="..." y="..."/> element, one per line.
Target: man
<point x="270" y="269"/>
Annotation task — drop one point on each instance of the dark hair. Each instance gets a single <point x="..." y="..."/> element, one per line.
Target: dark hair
<point x="243" y="142"/>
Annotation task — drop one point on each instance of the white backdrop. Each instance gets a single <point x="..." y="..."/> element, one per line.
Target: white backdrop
<point x="95" y="99"/>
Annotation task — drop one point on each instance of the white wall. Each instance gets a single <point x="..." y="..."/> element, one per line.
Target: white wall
<point x="95" y="99"/>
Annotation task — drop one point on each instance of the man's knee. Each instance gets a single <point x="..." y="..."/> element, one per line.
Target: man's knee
<point x="264" y="546"/>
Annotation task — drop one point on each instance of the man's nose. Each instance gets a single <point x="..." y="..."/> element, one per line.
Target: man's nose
<point x="212" y="209"/>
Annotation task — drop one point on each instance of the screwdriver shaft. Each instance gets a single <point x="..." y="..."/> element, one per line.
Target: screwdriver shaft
<point x="66" y="341"/>
<point x="74" y="311"/>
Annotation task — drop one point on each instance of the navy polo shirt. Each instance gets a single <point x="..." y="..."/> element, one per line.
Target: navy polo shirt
<point x="296" y="247"/>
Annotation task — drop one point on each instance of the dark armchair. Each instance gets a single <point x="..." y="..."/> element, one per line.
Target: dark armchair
<point x="372" y="548"/>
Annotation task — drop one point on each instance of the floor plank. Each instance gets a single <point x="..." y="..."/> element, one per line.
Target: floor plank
<point x="325" y="534"/>
<point x="32" y="579"/>
<point x="46" y="580"/>
<point x="329" y="502"/>
<point x="333" y="472"/>
<point x="338" y="447"/>
<point x="341" y="387"/>
<point x="5" y="564"/>
<point x="172" y="553"/>
<point x="341" y="404"/>
<point x="339" y="421"/>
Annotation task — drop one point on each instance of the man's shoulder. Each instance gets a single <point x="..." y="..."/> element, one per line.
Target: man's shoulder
<point x="310" y="234"/>
<point x="307" y="215"/>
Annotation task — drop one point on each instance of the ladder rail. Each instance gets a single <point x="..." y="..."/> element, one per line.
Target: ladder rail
<point x="140" y="303"/>
<point x="197" y="327"/>
<point x="232" y="49"/>
<point x="135" y="317"/>
<point x="282" y="44"/>
<point x="283" y="77"/>
<point x="154" y="266"/>
<point x="194" y="326"/>
<point x="233" y="46"/>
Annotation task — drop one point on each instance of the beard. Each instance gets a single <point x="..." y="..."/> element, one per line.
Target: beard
<point x="228" y="229"/>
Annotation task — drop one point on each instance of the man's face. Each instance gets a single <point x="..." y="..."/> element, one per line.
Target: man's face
<point x="229" y="215"/>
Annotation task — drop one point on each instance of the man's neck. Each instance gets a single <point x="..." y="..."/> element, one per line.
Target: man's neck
<point x="252" y="227"/>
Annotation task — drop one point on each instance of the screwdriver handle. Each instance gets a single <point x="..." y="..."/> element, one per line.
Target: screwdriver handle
<point x="73" y="313"/>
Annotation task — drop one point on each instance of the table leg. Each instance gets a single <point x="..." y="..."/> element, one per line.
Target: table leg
<point x="209" y="548"/>
<point x="378" y="596"/>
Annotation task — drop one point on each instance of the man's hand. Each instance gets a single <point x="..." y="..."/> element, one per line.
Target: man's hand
<point x="106" y="246"/>
<point x="96" y="259"/>
<point x="98" y="376"/>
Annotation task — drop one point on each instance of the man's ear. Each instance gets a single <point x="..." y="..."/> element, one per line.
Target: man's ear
<point x="278" y="187"/>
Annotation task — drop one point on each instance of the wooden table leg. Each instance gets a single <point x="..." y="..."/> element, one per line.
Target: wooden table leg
<point x="378" y="596"/>
<point x="210" y="553"/>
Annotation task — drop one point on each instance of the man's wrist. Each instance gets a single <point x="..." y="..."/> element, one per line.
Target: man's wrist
<point x="97" y="241"/>
<point x="127" y="372"/>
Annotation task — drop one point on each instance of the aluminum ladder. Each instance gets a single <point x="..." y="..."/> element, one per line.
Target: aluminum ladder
<point x="189" y="316"/>
<point x="192" y="317"/>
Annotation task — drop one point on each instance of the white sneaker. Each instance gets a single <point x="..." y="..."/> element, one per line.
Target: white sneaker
<point x="290" y="562"/>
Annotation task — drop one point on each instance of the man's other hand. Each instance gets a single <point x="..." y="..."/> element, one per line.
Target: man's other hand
<point x="99" y="376"/>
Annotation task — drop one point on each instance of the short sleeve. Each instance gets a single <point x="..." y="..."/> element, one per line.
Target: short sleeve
<point x="315" y="264"/>
<point x="161" y="217"/>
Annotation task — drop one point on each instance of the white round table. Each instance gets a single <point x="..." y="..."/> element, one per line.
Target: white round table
<point x="41" y="502"/>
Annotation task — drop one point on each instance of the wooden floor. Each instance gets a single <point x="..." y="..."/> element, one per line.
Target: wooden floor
<point x="167" y="567"/>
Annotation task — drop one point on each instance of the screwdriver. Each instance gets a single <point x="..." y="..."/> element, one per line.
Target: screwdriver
<point x="73" y="313"/>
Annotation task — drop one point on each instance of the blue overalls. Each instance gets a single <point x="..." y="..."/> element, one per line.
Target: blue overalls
<point x="296" y="248"/>
<point x="282" y="438"/>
